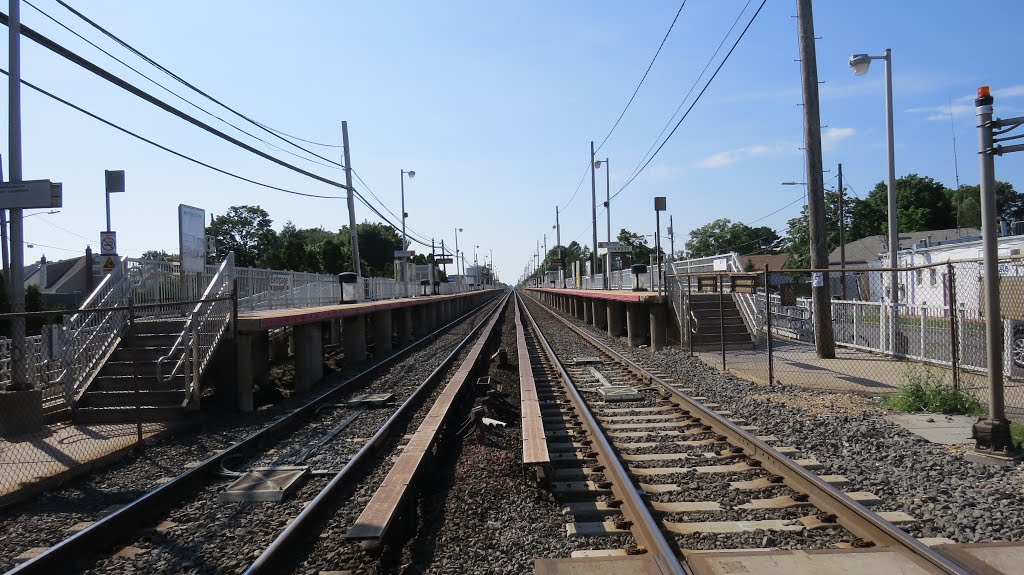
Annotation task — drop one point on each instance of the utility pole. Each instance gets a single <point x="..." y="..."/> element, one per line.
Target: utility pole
<point x="824" y="340"/>
<point x="842" y="238"/>
<point x="671" y="240"/>
<point x="19" y="372"/>
<point x="444" y="256"/>
<point x="352" y="233"/>
<point x="593" y="207"/>
<point x="558" y="240"/>
<point x="3" y="240"/>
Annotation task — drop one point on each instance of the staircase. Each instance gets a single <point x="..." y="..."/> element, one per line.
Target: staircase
<point x="708" y="336"/>
<point x="112" y="396"/>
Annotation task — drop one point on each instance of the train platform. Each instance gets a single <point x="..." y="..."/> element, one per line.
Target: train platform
<point x="34" y="462"/>
<point x="613" y="295"/>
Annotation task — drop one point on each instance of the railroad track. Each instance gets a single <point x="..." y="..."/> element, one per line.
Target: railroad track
<point x="326" y="449"/>
<point x="632" y="454"/>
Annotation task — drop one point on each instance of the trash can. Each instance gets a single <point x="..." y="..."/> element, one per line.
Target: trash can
<point x="423" y="286"/>
<point x="437" y="287"/>
<point x="636" y="270"/>
<point x="349" y="287"/>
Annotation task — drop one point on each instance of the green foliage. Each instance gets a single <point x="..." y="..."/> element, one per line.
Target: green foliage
<point x="966" y="202"/>
<point x="640" y="252"/>
<point x="160" y="256"/>
<point x="797" y="241"/>
<point x="1017" y="434"/>
<point x="246" y="231"/>
<point x="723" y="236"/>
<point x="925" y="391"/>
<point x="922" y="204"/>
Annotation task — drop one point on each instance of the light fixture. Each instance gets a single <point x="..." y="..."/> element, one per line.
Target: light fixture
<point x="597" y="164"/>
<point x="412" y="174"/>
<point x="860" y="64"/>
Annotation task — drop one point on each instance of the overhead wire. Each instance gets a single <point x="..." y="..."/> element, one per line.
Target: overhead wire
<point x="48" y="222"/>
<point x="695" y="100"/>
<point x="173" y="93"/>
<point x="646" y="72"/>
<point x="154" y="63"/>
<point x="165" y="148"/>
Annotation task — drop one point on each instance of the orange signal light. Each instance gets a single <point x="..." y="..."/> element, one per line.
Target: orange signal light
<point x="984" y="92"/>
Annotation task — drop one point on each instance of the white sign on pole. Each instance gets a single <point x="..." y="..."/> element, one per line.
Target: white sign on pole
<point x="192" y="238"/>
<point x="720" y="264"/>
<point x="31" y="194"/>
<point x="108" y="243"/>
<point x="405" y="253"/>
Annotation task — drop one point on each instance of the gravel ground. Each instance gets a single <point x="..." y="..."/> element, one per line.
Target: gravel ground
<point x="46" y="519"/>
<point x="947" y="495"/>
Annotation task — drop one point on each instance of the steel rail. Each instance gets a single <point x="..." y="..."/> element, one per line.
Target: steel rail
<point x="645" y="529"/>
<point x="277" y="557"/>
<point x="62" y="557"/>
<point x="856" y="518"/>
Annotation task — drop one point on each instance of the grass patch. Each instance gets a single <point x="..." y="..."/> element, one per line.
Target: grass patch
<point x="925" y="391"/>
<point x="1017" y="433"/>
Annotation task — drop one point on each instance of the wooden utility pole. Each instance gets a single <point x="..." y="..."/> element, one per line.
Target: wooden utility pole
<point x="824" y="340"/>
<point x="352" y="232"/>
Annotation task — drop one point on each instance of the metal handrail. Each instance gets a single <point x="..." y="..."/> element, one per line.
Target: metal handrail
<point x="189" y="330"/>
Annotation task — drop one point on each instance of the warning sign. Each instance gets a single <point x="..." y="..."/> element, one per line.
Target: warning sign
<point x="108" y="264"/>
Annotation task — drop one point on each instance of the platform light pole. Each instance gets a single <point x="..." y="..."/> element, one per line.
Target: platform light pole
<point x="558" y="241"/>
<point x="860" y="63"/>
<point x="353" y="233"/>
<point x="593" y="208"/>
<point x="405" y="242"/>
<point x="608" y="213"/>
<point x="462" y="275"/>
<point x="19" y="367"/>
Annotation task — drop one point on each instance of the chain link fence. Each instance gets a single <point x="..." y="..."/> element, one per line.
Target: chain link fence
<point x="88" y="384"/>
<point x="761" y="326"/>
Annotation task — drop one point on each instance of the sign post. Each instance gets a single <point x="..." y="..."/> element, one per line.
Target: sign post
<point x="191" y="242"/>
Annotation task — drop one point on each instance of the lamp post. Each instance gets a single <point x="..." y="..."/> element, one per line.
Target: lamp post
<point x="593" y="207"/>
<point x="405" y="242"/>
<point x="558" y="241"/>
<point x="860" y="64"/>
<point x="608" y="213"/>
<point x="462" y="275"/>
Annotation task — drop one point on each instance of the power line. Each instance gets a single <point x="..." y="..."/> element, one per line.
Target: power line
<point x="649" y="66"/>
<point x="157" y="65"/>
<point x="801" y="197"/>
<point x="265" y="127"/>
<point x="127" y="86"/>
<point x="173" y="93"/>
<point x="697" y="99"/>
<point x="48" y="222"/>
<point x="162" y="147"/>
<point x="693" y="86"/>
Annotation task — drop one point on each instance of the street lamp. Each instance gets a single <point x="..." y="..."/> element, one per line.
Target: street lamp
<point x="860" y="64"/>
<point x="608" y="212"/>
<point x="405" y="243"/>
<point x="457" y="230"/>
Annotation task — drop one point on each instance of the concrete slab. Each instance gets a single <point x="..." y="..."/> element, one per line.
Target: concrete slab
<point x="264" y="484"/>
<point x="936" y="428"/>
<point x="845" y="561"/>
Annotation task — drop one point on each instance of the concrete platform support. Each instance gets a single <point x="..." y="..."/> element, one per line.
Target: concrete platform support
<point x="335" y="327"/>
<point x="588" y="311"/>
<point x="636" y="324"/>
<point x="600" y="313"/>
<point x="572" y="306"/>
<point x="353" y="338"/>
<point x="309" y="356"/>
<point x="382" y="330"/>
<point x="658" y="326"/>
<point x="261" y="358"/>
<point x="581" y="304"/>
<point x="402" y="318"/>
<point x="616" y="318"/>
<point x="280" y="347"/>
<point x="243" y="372"/>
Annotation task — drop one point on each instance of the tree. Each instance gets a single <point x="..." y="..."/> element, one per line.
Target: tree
<point x="922" y="205"/>
<point x="640" y="252"/>
<point x="966" y="202"/>
<point x="246" y="231"/>
<point x="377" y="245"/>
<point x="723" y="236"/>
<point x="798" y="242"/>
<point x="160" y="256"/>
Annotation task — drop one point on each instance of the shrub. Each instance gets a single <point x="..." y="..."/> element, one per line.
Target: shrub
<point x="925" y="391"/>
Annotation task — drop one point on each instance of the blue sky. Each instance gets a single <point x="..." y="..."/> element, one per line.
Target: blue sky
<point x="494" y="106"/>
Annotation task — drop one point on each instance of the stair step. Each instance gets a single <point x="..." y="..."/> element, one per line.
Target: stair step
<point x="134" y="354"/>
<point x="104" y="382"/>
<point x="128" y="414"/>
<point x="159" y="326"/>
<point x="144" y="397"/>
<point x="161" y="340"/>
<point x="131" y="368"/>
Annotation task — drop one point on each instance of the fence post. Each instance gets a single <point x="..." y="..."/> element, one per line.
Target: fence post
<point x="130" y="335"/>
<point x="856" y="312"/>
<point x="721" y="318"/>
<point x="234" y="308"/>
<point x="924" y="320"/>
<point x="768" y="325"/>
<point x="954" y="341"/>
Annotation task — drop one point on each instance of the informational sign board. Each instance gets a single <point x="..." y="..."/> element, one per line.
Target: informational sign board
<point x="108" y="243"/>
<point x="31" y="194"/>
<point x="440" y="261"/>
<point x="744" y="284"/>
<point x="720" y="265"/>
<point x="192" y="238"/>
<point x="114" y="181"/>
<point x="405" y="253"/>
<point x="107" y="264"/>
